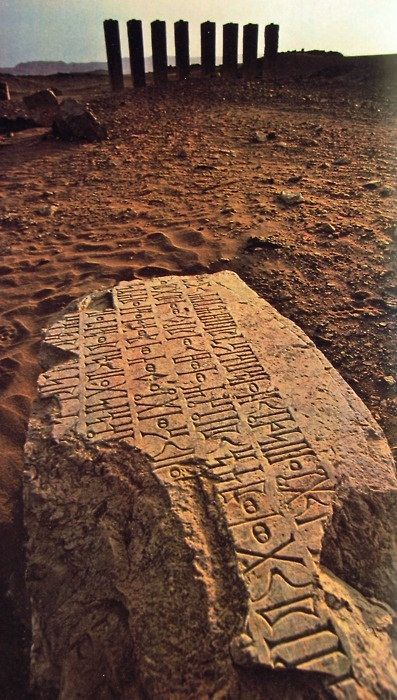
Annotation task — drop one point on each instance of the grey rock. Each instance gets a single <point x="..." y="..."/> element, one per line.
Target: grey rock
<point x="371" y="184"/>
<point x="290" y="198"/>
<point x="75" y="122"/>
<point x="326" y="227"/>
<point x="387" y="191"/>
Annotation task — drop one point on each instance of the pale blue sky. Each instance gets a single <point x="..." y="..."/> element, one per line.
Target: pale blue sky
<point x="71" y="30"/>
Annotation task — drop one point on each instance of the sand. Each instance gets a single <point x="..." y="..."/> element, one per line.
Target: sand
<point x="180" y="187"/>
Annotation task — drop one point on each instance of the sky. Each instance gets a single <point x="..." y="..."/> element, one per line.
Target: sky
<point x="71" y="30"/>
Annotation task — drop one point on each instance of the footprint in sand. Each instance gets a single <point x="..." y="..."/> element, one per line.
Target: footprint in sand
<point x="184" y="258"/>
<point x="92" y="247"/>
<point x="193" y="239"/>
<point x="153" y="271"/>
<point x="181" y="257"/>
<point x="12" y="332"/>
<point x="53" y="303"/>
<point x="20" y="403"/>
<point x="161" y="241"/>
<point x="13" y="425"/>
<point x="6" y="270"/>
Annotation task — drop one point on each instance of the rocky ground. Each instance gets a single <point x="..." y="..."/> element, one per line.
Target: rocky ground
<point x="190" y="179"/>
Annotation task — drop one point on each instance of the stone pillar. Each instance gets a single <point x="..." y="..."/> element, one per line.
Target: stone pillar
<point x="208" y="47"/>
<point x="113" y="53"/>
<point x="137" y="57"/>
<point x="230" y="48"/>
<point x="250" y="49"/>
<point x="159" y="51"/>
<point x="271" y="41"/>
<point x="181" y="33"/>
<point x="4" y="92"/>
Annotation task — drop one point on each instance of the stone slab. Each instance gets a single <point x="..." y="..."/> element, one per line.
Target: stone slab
<point x="222" y="394"/>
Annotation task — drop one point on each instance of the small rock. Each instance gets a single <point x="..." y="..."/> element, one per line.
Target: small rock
<point x="204" y="166"/>
<point x="389" y="380"/>
<point x="182" y="154"/>
<point x="295" y="178"/>
<point x="48" y="210"/>
<point x="306" y="143"/>
<point x="326" y="227"/>
<point x="371" y="184"/>
<point x="342" y="161"/>
<point x="259" y="137"/>
<point x="386" y="191"/>
<point x="256" y="242"/>
<point x="288" y="197"/>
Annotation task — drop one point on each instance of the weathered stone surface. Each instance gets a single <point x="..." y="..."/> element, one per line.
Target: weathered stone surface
<point x="41" y="100"/>
<point x="42" y="106"/>
<point x="75" y="122"/>
<point x="192" y="461"/>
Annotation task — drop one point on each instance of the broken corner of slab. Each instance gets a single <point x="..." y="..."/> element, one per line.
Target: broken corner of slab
<point x="210" y="507"/>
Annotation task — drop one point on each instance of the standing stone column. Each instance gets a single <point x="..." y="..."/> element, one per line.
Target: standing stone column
<point x="181" y="33"/>
<point x="208" y="47"/>
<point x="271" y="41"/>
<point x="250" y="49"/>
<point x="4" y="92"/>
<point x="137" y="57"/>
<point x="159" y="51"/>
<point x="113" y="53"/>
<point x="230" y="48"/>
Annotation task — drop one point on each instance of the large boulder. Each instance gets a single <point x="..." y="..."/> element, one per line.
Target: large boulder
<point x="75" y="122"/>
<point x="41" y="100"/>
<point x="42" y="106"/>
<point x="193" y="462"/>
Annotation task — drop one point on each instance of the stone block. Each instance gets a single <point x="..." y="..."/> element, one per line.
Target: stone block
<point x="190" y="456"/>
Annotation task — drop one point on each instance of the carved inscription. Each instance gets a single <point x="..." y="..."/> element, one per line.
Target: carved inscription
<point x="168" y="369"/>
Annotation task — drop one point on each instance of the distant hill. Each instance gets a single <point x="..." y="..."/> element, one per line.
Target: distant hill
<point x="52" y="67"/>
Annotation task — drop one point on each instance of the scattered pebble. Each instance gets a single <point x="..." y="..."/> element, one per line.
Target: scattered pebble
<point x="288" y="197"/>
<point x="306" y="143"/>
<point x="326" y="227"/>
<point x="342" y="161"/>
<point x="48" y="210"/>
<point x="389" y="380"/>
<point x="295" y="178"/>
<point x="371" y="184"/>
<point x="259" y="137"/>
<point x="387" y="191"/>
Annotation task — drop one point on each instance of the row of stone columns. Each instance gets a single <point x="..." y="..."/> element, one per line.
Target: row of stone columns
<point x="181" y="33"/>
